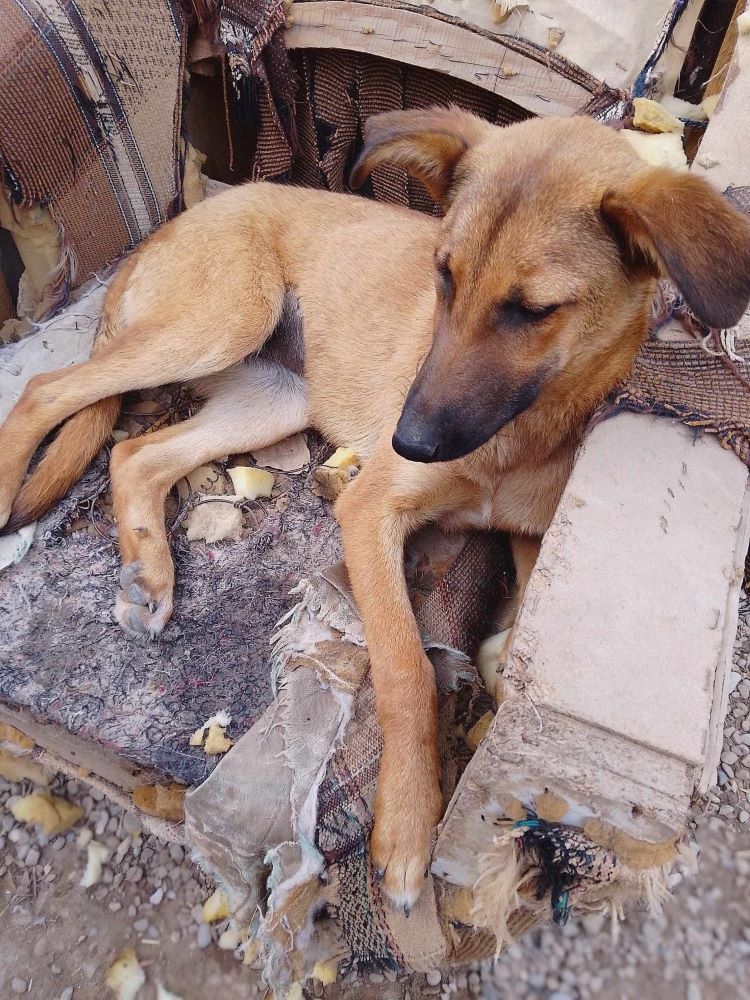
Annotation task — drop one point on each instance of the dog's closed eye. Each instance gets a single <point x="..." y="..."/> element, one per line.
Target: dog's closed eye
<point x="515" y="312"/>
<point x="445" y="281"/>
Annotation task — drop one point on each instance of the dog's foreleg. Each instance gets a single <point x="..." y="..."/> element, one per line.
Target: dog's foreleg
<point x="249" y="406"/>
<point x="375" y="521"/>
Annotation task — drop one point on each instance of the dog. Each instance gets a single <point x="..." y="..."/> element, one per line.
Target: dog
<point x="460" y="357"/>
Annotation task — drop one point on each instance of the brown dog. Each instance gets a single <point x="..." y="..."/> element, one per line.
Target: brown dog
<point x="517" y="313"/>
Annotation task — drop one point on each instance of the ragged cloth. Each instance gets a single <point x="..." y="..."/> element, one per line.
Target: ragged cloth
<point x="292" y="852"/>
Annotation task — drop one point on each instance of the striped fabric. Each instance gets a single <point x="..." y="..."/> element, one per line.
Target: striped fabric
<point x="90" y="120"/>
<point x="91" y="112"/>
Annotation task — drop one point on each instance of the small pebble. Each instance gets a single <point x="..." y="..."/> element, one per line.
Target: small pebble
<point x="203" y="937"/>
<point x="18" y="985"/>
<point x="135" y="873"/>
<point x="433" y="977"/>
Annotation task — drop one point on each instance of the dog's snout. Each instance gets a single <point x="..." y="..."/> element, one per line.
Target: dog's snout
<point x="414" y="447"/>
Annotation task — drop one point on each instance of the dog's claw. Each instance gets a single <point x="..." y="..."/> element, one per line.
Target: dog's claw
<point x="407" y="910"/>
<point x="140" y="611"/>
<point x="377" y="875"/>
<point x="136" y="594"/>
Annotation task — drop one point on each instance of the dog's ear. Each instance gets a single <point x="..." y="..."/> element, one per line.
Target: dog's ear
<point x="677" y="224"/>
<point x="427" y="143"/>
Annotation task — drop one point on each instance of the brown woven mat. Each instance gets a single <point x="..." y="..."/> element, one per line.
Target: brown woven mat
<point x="339" y="91"/>
<point x="681" y="380"/>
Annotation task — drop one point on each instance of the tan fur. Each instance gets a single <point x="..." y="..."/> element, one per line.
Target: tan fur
<point x="554" y="212"/>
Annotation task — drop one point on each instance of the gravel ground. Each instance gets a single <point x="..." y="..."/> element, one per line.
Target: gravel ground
<point x="57" y="939"/>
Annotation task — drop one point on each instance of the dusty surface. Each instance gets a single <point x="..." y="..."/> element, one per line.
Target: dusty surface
<point x="143" y="699"/>
<point x="56" y="937"/>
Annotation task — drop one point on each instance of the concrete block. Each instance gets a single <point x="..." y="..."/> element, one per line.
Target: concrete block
<point x="621" y="652"/>
<point x="624" y="618"/>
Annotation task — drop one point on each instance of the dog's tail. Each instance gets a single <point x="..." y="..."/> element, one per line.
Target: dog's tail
<point x="71" y="452"/>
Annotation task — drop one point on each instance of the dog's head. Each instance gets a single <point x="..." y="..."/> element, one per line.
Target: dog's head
<point x="545" y="265"/>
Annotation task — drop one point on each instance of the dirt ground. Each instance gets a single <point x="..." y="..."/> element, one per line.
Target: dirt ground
<point x="57" y="940"/>
<point x="56" y="937"/>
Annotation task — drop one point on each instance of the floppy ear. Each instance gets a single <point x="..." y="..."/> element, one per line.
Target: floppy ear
<point x="677" y="224"/>
<point x="428" y="143"/>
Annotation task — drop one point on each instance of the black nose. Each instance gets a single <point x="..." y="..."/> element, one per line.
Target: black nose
<point x="415" y="449"/>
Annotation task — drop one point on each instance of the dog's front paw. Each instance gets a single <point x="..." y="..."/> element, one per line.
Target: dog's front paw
<point x="143" y="607"/>
<point x="406" y="813"/>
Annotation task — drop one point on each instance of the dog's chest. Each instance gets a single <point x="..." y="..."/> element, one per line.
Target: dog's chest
<point x="519" y="503"/>
<point x="479" y="515"/>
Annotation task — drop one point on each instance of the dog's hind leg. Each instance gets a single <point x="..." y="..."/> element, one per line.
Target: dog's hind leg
<point x="249" y="406"/>
<point x="154" y="350"/>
